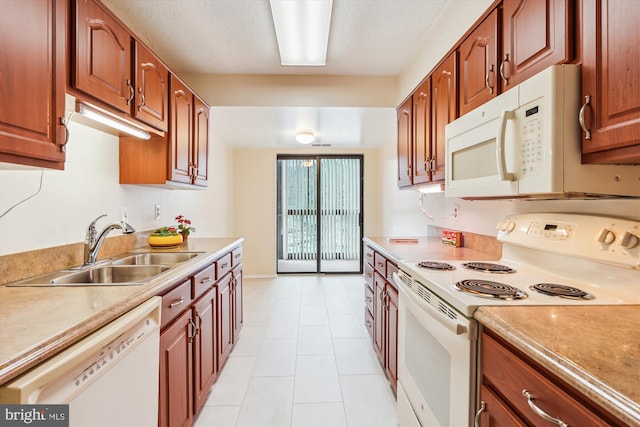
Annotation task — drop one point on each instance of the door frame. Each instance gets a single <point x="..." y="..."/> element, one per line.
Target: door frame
<point x="318" y="158"/>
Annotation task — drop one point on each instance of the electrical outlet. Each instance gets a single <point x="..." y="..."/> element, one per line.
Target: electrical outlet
<point x="156" y="211"/>
<point x="456" y="212"/>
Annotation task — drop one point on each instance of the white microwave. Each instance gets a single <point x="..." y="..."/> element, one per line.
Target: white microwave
<point x="525" y="143"/>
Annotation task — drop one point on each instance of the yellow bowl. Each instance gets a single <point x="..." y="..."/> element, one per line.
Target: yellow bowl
<point x="170" y="241"/>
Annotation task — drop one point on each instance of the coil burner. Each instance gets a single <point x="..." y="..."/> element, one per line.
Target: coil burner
<point x="561" y="291"/>
<point x="488" y="267"/>
<point x="435" y="265"/>
<point x="489" y="289"/>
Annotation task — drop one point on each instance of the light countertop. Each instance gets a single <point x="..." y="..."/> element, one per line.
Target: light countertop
<point x="38" y="322"/>
<point x="594" y="349"/>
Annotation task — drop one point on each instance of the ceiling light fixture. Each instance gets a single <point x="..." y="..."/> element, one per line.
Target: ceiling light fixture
<point x="305" y="137"/>
<point x="101" y="117"/>
<point x="302" y="31"/>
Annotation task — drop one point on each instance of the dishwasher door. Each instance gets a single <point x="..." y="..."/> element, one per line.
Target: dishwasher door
<point x="109" y="378"/>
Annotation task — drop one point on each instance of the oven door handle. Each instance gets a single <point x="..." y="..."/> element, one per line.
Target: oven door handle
<point x="441" y="317"/>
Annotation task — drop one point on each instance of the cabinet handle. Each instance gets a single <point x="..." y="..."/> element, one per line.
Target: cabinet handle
<point x="142" y="101"/>
<point x="63" y="146"/>
<point x="486" y="79"/>
<point x="224" y="265"/>
<point x="368" y="323"/>
<point x="506" y="61"/>
<point x="432" y="164"/>
<point x="192" y="330"/>
<point x="199" y="326"/>
<point x="476" y="419"/>
<point x="540" y="412"/>
<point x="132" y="92"/>
<point x="236" y="256"/>
<point x="587" y="132"/>
<point x="205" y="279"/>
<point x="176" y="302"/>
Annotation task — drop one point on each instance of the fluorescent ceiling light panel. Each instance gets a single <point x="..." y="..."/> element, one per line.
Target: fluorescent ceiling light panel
<point x="302" y="30"/>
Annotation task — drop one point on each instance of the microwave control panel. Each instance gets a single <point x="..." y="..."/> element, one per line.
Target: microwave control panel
<point x="532" y="155"/>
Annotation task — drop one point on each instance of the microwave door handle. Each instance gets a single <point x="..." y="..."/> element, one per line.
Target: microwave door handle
<point x="500" y="160"/>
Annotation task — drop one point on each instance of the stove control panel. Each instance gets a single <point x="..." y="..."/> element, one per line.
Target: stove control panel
<point x="603" y="239"/>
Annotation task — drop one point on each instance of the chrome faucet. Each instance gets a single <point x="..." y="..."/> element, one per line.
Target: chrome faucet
<point x="92" y="243"/>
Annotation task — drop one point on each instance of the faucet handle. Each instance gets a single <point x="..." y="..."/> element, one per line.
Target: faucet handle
<point x="91" y="231"/>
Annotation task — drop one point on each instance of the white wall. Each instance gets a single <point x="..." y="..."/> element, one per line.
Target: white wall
<point x="254" y="176"/>
<point x="89" y="186"/>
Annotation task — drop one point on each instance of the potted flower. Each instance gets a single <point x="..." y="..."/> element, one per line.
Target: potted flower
<point x="184" y="227"/>
<point x="165" y="237"/>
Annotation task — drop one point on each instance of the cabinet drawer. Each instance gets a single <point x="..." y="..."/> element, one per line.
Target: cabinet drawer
<point x="236" y="257"/>
<point x="175" y="302"/>
<point x="380" y="264"/>
<point x="203" y="281"/>
<point x="368" y="255"/>
<point x="368" y="298"/>
<point x="368" y="321"/>
<point x="510" y="375"/>
<point x="368" y="275"/>
<point x="391" y="268"/>
<point x="223" y="265"/>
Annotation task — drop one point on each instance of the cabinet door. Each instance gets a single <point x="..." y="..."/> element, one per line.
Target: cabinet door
<point x="379" y="315"/>
<point x="152" y="89"/>
<point x="495" y="412"/>
<point x="176" y="373"/>
<point x="422" y="133"/>
<point x="205" y="346"/>
<point x="478" y="65"/>
<point x="32" y="86"/>
<point x="610" y="76"/>
<point x="200" y="142"/>
<point x="102" y="56"/>
<point x="181" y="131"/>
<point x="535" y="35"/>
<point x="237" y="302"/>
<point x="444" y="110"/>
<point x="405" y="140"/>
<point x="225" y="310"/>
<point x="392" y="335"/>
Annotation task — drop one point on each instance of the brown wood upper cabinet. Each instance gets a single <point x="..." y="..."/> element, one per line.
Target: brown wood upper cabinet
<point x="405" y="142"/>
<point x="535" y="35"/>
<point x="444" y="110"/>
<point x="610" y="74"/>
<point x="422" y="153"/>
<point x="479" y="64"/>
<point x="103" y="54"/>
<point x="514" y="42"/>
<point x="152" y="89"/>
<point x="189" y="134"/>
<point x="32" y="102"/>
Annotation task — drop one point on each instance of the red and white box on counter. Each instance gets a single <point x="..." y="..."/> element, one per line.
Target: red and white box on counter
<point x="453" y="238"/>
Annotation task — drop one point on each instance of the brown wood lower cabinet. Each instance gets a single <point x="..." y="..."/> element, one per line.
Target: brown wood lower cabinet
<point x="201" y="321"/>
<point x="506" y="374"/>
<point x="381" y="311"/>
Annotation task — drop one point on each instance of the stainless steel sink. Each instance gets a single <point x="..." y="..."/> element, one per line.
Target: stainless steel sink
<point x="103" y="275"/>
<point x="167" y="258"/>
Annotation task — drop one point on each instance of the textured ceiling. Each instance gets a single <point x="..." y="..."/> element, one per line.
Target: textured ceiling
<point x="367" y="38"/>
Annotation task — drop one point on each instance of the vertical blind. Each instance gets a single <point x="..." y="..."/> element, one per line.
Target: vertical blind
<point x="339" y="219"/>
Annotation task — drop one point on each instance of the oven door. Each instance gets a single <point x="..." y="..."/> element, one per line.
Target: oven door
<point x="436" y="361"/>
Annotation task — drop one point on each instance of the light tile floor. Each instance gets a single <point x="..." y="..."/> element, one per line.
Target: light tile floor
<point x="304" y="358"/>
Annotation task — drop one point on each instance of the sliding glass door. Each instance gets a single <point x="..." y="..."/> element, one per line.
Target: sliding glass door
<point x="319" y="214"/>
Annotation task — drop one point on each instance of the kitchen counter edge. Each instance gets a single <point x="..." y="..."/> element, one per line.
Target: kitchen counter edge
<point x="23" y="359"/>
<point x="515" y="326"/>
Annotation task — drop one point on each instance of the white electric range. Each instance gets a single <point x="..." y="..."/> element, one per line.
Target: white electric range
<point x="547" y="259"/>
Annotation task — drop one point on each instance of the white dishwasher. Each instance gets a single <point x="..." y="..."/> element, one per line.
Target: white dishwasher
<point x="109" y="378"/>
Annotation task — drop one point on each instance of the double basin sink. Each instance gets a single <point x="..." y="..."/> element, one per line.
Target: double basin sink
<point x="129" y="269"/>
